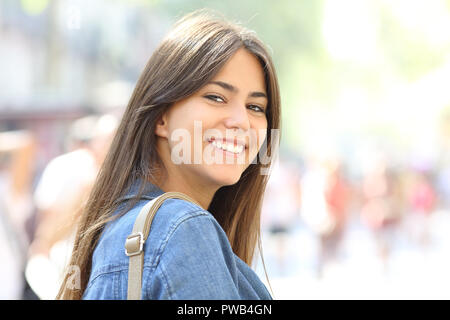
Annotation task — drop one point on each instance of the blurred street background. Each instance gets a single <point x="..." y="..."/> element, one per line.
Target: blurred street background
<point x="358" y="204"/>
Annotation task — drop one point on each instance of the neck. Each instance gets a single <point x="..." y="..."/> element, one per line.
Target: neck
<point x="175" y="182"/>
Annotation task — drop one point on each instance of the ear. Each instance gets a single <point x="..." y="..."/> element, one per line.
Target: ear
<point x="162" y="127"/>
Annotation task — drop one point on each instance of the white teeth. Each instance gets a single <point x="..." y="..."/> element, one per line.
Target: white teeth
<point x="227" y="147"/>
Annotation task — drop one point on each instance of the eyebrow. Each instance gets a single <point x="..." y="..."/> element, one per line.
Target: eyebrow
<point x="231" y="88"/>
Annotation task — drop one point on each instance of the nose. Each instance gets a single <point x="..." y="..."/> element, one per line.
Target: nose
<point x="238" y="118"/>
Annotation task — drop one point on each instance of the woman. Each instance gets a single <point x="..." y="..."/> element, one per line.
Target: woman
<point x="209" y="77"/>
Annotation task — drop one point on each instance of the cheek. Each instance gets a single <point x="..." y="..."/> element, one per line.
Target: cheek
<point x="181" y="126"/>
<point x="261" y="131"/>
<point x="261" y="138"/>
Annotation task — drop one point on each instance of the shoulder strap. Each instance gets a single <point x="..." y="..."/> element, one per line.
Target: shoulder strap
<point x="134" y="244"/>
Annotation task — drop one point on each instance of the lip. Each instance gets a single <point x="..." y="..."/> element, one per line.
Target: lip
<point x="230" y="141"/>
<point x="228" y="153"/>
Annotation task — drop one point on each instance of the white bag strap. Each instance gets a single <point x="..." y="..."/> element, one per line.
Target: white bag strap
<point x="134" y="245"/>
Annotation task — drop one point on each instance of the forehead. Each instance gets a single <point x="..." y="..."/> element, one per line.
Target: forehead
<point x="244" y="71"/>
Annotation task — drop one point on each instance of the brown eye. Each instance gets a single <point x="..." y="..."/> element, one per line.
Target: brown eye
<point x="256" y="108"/>
<point x="214" y="98"/>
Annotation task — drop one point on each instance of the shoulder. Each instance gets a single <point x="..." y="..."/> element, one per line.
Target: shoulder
<point x="173" y="214"/>
<point x="109" y="259"/>
<point x="195" y="260"/>
<point x="110" y="250"/>
<point x="191" y="228"/>
<point x="176" y="210"/>
<point x="179" y="226"/>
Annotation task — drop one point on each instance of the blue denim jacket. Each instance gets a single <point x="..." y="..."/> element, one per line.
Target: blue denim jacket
<point x="187" y="255"/>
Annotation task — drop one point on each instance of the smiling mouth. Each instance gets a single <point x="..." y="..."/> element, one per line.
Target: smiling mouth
<point x="235" y="148"/>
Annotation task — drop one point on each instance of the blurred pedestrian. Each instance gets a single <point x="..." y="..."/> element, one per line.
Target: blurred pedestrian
<point x="383" y="207"/>
<point x="325" y="204"/>
<point x="422" y="203"/>
<point x="61" y="191"/>
<point x="281" y="208"/>
<point x="338" y="197"/>
<point x="16" y="209"/>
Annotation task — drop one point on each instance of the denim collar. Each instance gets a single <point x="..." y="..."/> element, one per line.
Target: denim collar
<point x="150" y="192"/>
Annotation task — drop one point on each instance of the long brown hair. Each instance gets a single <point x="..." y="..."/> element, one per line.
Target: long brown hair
<point x="189" y="56"/>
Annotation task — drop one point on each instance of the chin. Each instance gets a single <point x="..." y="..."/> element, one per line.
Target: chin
<point x="228" y="182"/>
<point x="226" y="177"/>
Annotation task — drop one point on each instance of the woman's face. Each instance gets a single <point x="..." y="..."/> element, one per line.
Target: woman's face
<point x="212" y="136"/>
